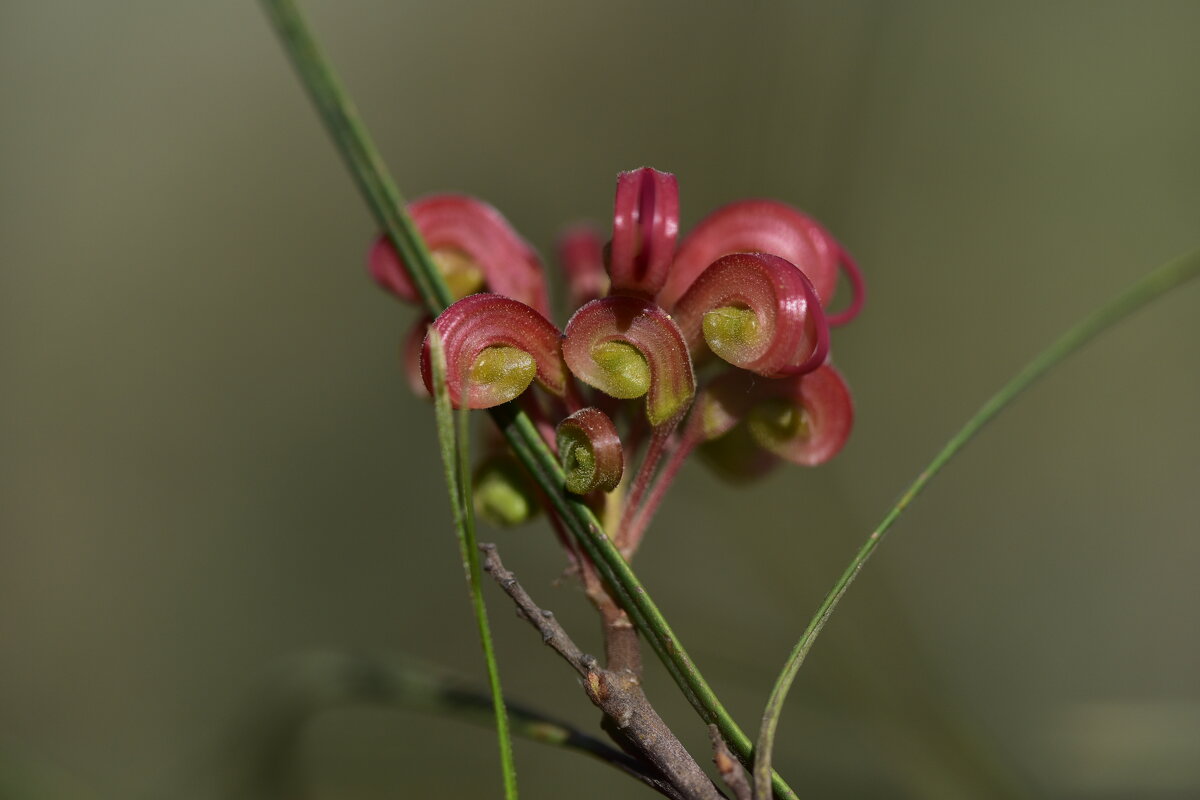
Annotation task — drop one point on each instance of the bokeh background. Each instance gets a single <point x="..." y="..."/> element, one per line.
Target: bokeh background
<point x="209" y="461"/>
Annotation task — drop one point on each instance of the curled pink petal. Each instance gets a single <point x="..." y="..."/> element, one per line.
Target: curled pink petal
<point x="495" y="347"/>
<point x="758" y="312"/>
<point x="645" y="226"/>
<point x="581" y="254"/>
<point x="628" y="347"/>
<point x="388" y="270"/>
<point x="474" y="245"/>
<point x="589" y="449"/>
<point x="804" y="419"/>
<point x="858" y="288"/>
<point x="762" y="226"/>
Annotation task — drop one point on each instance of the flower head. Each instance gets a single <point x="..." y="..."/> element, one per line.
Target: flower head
<point x="726" y="334"/>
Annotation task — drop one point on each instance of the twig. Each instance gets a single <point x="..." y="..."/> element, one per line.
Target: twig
<point x="617" y="693"/>
<point x="730" y="768"/>
<point x="309" y="685"/>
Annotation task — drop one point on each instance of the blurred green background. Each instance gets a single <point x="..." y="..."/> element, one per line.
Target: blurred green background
<point x="209" y="460"/>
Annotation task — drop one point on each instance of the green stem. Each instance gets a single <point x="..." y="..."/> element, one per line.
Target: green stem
<point x="356" y="147"/>
<point x="455" y="457"/>
<point x="1157" y="283"/>
<point x="387" y="205"/>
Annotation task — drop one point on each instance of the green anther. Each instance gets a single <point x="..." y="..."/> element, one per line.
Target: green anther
<point x="504" y="371"/>
<point x="736" y="457"/>
<point x="627" y="375"/>
<point x="462" y="275"/>
<point x="777" y="421"/>
<point x="730" y="330"/>
<point x="502" y="493"/>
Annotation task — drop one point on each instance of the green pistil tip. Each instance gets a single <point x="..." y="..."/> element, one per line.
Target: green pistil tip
<point x="504" y="371"/>
<point x="626" y="371"/>
<point x="777" y="421"/>
<point x="462" y="275"/>
<point x="730" y="330"/>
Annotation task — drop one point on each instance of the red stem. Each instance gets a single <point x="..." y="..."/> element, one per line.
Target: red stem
<point x="654" y="451"/>
<point x="641" y="521"/>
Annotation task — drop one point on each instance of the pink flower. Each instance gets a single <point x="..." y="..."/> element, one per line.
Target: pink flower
<point x="745" y="295"/>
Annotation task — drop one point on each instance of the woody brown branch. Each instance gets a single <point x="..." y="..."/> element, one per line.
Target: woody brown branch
<point x="616" y="692"/>
<point x="730" y="768"/>
<point x="622" y="650"/>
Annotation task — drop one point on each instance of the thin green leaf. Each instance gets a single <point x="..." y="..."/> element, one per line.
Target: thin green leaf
<point x="387" y="205"/>
<point x="356" y="147"/>
<point x="1157" y="283"/>
<point x="455" y="458"/>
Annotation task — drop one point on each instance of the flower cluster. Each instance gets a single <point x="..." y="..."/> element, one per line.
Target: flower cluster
<point x="724" y="333"/>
